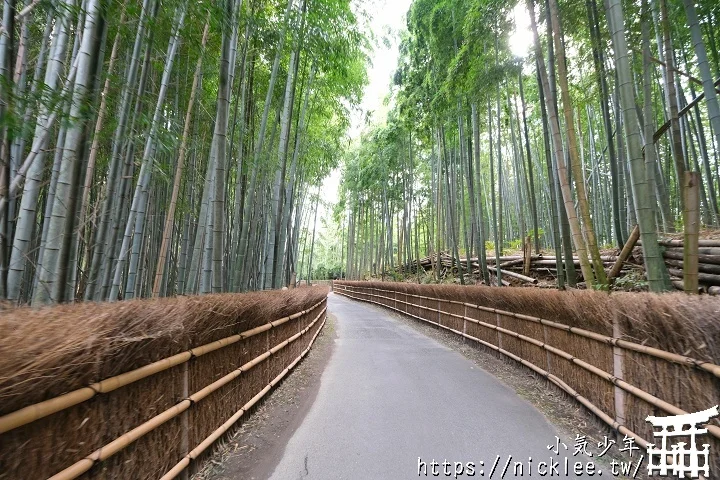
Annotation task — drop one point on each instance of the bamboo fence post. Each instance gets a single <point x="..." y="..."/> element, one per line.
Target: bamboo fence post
<point x="497" y="318"/>
<point x="184" y="420"/>
<point x="691" y="221"/>
<point x="464" y="323"/>
<point x="547" y="352"/>
<point x="625" y="253"/>
<point x="267" y="366"/>
<point x="618" y="372"/>
<point x="527" y="254"/>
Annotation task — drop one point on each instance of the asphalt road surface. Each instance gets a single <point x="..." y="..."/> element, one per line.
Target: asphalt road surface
<point x="393" y="401"/>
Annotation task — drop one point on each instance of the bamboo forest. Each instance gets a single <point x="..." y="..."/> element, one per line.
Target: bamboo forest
<point x="154" y="149"/>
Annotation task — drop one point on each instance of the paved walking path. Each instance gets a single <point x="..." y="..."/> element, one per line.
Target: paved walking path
<point x="390" y="395"/>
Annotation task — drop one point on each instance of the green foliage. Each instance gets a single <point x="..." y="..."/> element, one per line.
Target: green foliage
<point x="632" y="282"/>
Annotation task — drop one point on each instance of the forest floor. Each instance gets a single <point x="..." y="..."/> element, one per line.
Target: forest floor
<point x="630" y="281"/>
<point x="631" y="278"/>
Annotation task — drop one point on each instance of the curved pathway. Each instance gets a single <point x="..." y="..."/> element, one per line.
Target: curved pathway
<point x="392" y="401"/>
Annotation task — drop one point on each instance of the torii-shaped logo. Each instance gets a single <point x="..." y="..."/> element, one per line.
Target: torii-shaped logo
<point x="677" y="459"/>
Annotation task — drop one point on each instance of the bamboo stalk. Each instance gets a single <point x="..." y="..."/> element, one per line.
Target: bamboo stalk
<point x="527" y="250"/>
<point x="679" y="285"/>
<point x="42" y="409"/>
<point x="120" y="443"/>
<point x="691" y="221"/>
<point x="711" y="251"/>
<point x="519" y="276"/>
<point x="702" y="267"/>
<point x="677" y="243"/>
<point x="625" y="253"/>
<point x="708" y="278"/>
<point x="702" y="259"/>
<point x="518" y="261"/>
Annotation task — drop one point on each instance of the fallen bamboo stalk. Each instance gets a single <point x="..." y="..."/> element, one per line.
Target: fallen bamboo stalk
<point x="707" y="259"/>
<point x="702" y="267"/>
<point x="42" y="409"/>
<point x="681" y="243"/>
<point x="519" y="276"/>
<point x="701" y="250"/>
<point x="552" y="262"/>
<point x="625" y="253"/>
<point x="510" y="263"/>
<point x="123" y="441"/>
<point x="674" y="243"/>
<point x="603" y="258"/>
<point x="713" y="290"/>
<point x="708" y="278"/>
<point x="493" y="281"/>
<point x="491" y="259"/>
<point x="679" y="285"/>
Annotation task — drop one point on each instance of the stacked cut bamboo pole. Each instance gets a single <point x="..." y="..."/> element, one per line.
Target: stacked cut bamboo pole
<point x="708" y="262"/>
<point x="514" y="266"/>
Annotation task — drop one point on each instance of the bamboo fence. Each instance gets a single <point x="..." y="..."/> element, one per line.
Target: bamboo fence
<point x="591" y="349"/>
<point x="159" y="419"/>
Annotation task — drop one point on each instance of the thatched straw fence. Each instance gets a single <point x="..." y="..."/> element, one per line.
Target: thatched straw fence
<point x="623" y="356"/>
<point x="325" y="283"/>
<point x="141" y="389"/>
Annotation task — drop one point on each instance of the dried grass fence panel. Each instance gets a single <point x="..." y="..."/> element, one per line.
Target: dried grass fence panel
<point x="48" y="357"/>
<point x="428" y="312"/>
<point x="401" y="301"/>
<point x="624" y="356"/>
<point x="453" y="315"/>
<point x="479" y="329"/>
<point x="529" y="351"/>
<point x="314" y="283"/>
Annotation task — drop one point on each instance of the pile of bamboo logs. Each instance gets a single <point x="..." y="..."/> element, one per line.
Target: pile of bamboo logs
<point x="511" y="266"/>
<point x="708" y="263"/>
<point x="529" y="269"/>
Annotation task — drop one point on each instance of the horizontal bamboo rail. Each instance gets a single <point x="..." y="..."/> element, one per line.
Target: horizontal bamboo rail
<point x="42" y="409"/>
<point x="554" y="379"/>
<point x="123" y="441"/>
<point x="210" y="439"/>
<point x="636" y="347"/>
<point x="643" y="395"/>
